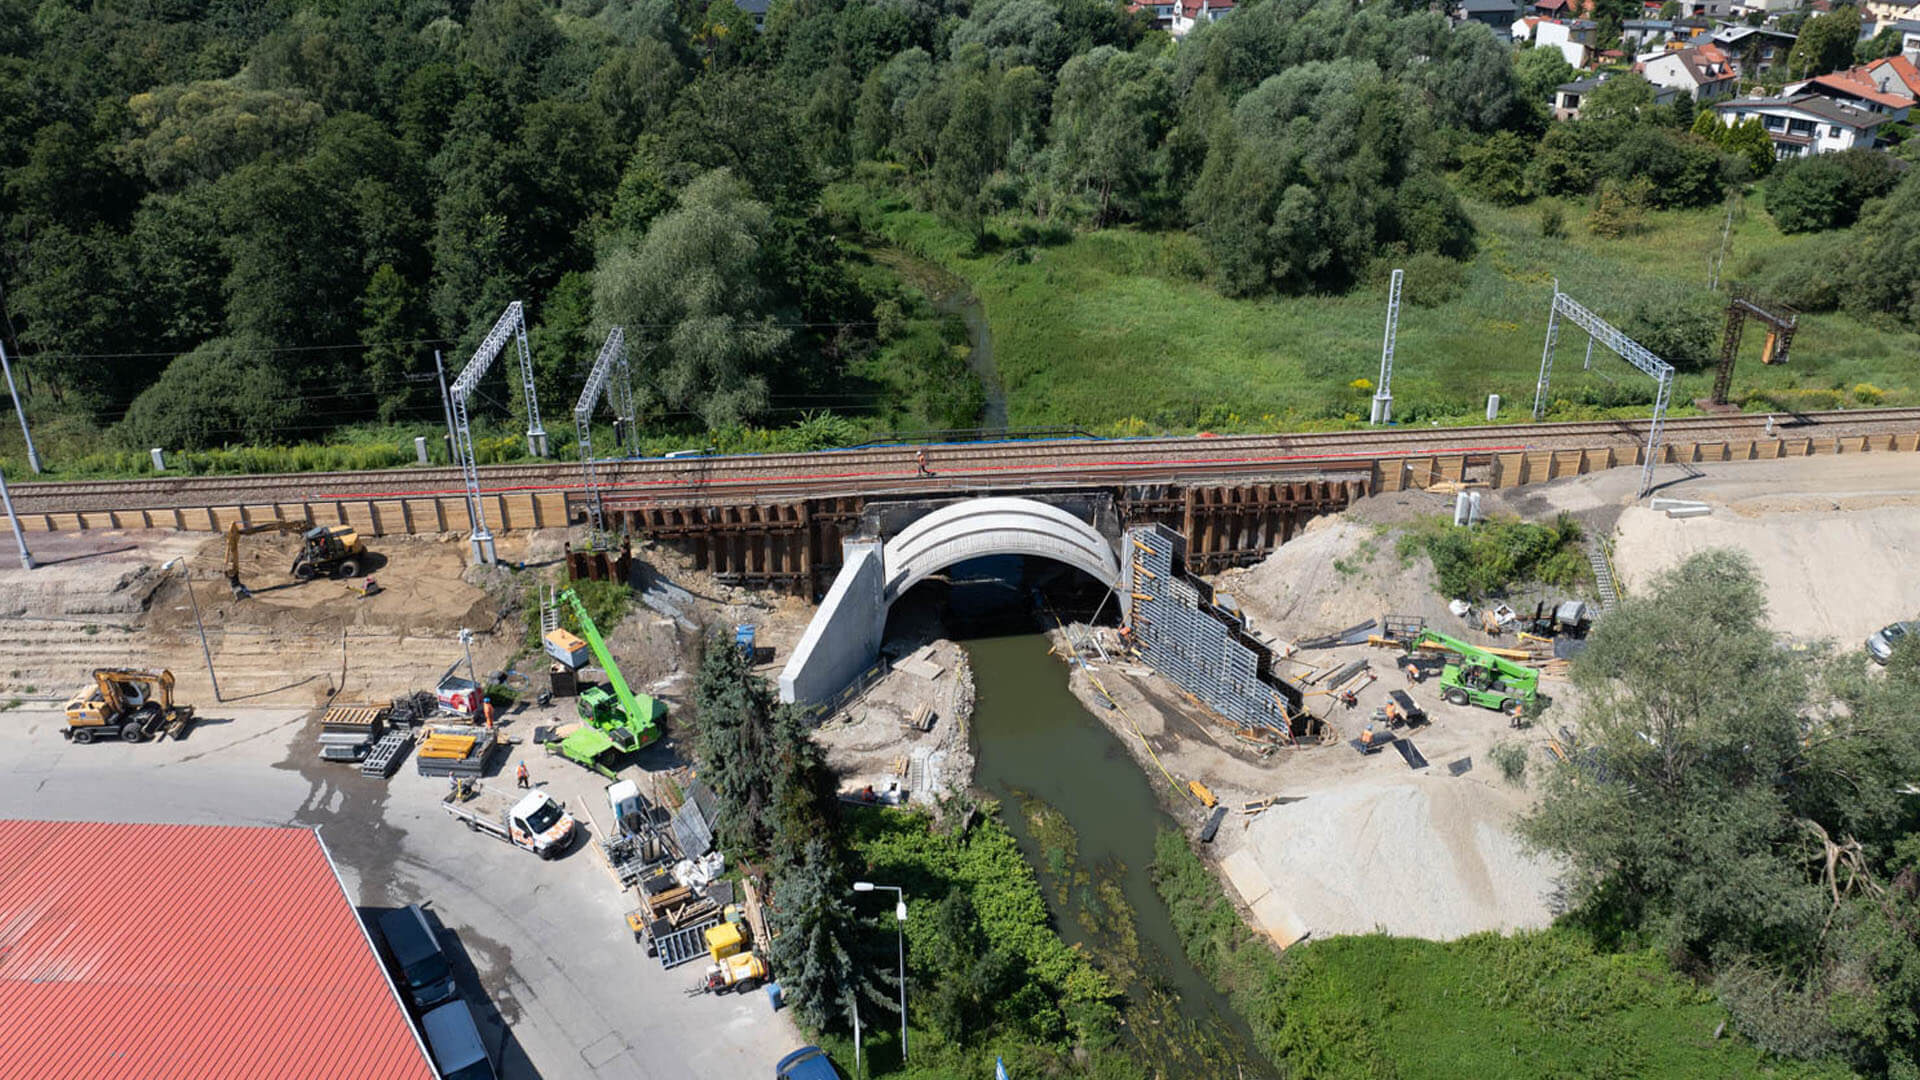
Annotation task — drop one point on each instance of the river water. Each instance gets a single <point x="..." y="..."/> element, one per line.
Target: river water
<point x="1086" y="817"/>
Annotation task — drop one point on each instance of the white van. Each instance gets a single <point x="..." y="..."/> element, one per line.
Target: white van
<point x="458" y="1052"/>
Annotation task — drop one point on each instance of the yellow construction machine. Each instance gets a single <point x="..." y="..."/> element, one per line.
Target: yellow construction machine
<point x="128" y="705"/>
<point x="324" y="549"/>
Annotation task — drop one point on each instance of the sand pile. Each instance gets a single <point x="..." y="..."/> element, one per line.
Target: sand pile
<point x="1336" y="573"/>
<point x="103" y="589"/>
<point x="1432" y="858"/>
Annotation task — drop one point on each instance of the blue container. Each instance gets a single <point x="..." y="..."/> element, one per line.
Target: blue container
<point x="773" y="995"/>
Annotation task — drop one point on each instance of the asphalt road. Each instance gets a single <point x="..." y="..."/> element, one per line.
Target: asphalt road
<point x="540" y="947"/>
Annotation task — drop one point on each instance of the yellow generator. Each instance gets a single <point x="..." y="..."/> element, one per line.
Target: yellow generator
<point x="734" y="967"/>
<point x="132" y="706"/>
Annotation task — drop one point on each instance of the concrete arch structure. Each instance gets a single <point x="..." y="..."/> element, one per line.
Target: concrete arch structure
<point x="843" y="639"/>
<point x="995" y="526"/>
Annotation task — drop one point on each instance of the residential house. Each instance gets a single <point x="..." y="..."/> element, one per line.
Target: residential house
<point x="1191" y="13"/>
<point x="1568" y="97"/>
<point x="1740" y="9"/>
<point x="1642" y="34"/>
<point x="757" y="9"/>
<point x="1496" y="14"/>
<point x="1160" y="11"/>
<point x="1551" y="9"/>
<point x="1703" y="73"/>
<point x="1573" y="37"/>
<point x="1707" y="9"/>
<point x="1909" y="38"/>
<point x="1806" y="124"/>
<point x="1890" y="86"/>
<point x="1754" y="51"/>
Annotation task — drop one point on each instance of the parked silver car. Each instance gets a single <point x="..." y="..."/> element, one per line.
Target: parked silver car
<point x="1881" y="642"/>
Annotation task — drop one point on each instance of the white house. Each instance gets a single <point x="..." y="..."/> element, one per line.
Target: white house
<point x="1806" y="123"/>
<point x="1574" y="37"/>
<point x="1703" y="73"/>
<point x="1191" y="13"/>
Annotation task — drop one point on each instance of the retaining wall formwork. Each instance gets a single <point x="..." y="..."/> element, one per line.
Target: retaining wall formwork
<point x="1205" y="649"/>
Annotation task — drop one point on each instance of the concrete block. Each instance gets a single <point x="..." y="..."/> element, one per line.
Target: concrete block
<point x="844" y="636"/>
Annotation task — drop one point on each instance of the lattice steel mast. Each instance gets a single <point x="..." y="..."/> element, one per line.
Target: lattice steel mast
<point x="601" y="380"/>
<point x="1383" y="397"/>
<point x="1631" y="351"/>
<point x="511" y="324"/>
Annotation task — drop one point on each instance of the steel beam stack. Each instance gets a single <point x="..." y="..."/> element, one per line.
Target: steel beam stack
<point x="1204" y="648"/>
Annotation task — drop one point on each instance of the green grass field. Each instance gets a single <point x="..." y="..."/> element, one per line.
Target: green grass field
<point x="1112" y="330"/>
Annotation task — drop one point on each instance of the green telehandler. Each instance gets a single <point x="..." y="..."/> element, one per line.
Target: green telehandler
<point x="1481" y="678"/>
<point x="618" y="721"/>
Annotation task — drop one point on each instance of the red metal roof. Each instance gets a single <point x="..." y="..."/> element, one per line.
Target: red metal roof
<point x="188" y="951"/>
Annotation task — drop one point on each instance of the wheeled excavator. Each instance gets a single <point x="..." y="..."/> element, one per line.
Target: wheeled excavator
<point x="128" y="705"/>
<point x="324" y="549"/>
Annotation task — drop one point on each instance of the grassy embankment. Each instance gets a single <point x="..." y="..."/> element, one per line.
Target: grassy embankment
<point x="1116" y="331"/>
<point x="1542" y="1003"/>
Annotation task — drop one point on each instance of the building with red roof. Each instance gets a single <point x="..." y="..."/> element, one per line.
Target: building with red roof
<point x="189" y="952"/>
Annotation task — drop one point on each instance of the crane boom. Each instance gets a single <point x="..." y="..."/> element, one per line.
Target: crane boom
<point x="639" y="717"/>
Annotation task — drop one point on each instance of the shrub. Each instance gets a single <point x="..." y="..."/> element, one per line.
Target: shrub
<point x="1826" y="191"/>
<point x="1485" y="560"/>
<point x="1511" y="759"/>
<point x="1679" y="328"/>
<point x="1620" y="208"/>
<point x="1497" y="168"/>
<point x="1432" y="280"/>
<point x="225" y="391"/>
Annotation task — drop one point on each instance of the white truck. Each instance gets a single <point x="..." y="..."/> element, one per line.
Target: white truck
<point x="531" y="820"/>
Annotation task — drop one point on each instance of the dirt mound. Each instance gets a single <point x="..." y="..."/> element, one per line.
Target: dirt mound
<point x="1337" y="573"/>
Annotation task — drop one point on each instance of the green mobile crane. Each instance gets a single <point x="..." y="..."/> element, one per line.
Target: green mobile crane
<point x="1482" y="678"/>
<point x="619" y="721"/>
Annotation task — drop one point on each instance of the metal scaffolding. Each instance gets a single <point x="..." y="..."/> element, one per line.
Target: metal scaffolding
<point x="1383" y="396"/>
<point x="511" y="324"/>
<point x="1599" y="330"/>
<point x="611" y="377"/>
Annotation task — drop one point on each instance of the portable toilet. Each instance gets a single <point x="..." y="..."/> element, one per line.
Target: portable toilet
<point x="743" y="639"/>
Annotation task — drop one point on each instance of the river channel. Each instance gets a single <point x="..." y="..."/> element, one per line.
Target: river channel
<point x="1086" y="817"/>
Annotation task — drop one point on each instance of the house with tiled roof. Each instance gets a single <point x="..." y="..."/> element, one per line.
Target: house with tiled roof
<point x="1805" y="124"/>
<point x="1645" y="33"/>
<point x="1890" y="85"/>
<point x="1191" y="13"/>
<point x="1703" y="73"/>
<point x="1754" y="51"/>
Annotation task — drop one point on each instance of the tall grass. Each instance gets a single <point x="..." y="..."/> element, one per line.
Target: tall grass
<point x="1116" y="330"/>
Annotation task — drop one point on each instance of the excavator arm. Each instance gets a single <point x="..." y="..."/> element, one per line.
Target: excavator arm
<point x="110" y="680"/>
<point x="639" y="717"/>
<point x="236" y="530"/>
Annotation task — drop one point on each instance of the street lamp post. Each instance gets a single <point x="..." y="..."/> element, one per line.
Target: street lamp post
<point x="900" y="928"/>
<point x="205" y="652"/>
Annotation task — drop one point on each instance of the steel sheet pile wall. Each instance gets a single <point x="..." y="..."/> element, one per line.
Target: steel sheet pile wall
<point x="1203" y="648"/>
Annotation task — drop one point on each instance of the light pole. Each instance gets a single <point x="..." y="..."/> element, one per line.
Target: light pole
<point x="187" y="576"/>
<point x="26" y="557"/>
<point x="900" y="927"/>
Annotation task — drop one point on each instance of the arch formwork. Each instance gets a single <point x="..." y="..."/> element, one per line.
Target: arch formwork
<point x="844" y="637"/>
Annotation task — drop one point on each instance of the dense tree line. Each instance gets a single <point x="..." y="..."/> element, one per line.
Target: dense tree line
<point x="1747" y="807"/>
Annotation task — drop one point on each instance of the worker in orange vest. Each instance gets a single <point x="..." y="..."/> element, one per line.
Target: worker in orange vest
<point x="486" y="710"/>
<point x="520" y="776"/>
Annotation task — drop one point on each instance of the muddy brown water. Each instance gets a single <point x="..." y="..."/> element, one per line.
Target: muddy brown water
<point x="1086" y="816"/>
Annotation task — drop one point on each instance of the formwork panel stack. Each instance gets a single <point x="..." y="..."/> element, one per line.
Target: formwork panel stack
<point x="1180" y="631"/>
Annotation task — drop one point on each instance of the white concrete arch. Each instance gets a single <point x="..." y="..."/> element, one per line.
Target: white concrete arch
<point x="844" y="637"/>
<point x="1001" y="526"/>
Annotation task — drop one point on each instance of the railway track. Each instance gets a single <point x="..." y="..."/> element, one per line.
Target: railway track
<point x="1143" y="460"/>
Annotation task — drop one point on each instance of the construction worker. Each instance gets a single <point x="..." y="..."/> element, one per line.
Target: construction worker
<point x="520" y="776"/>
<point x="486" y="710"/>
<point x="920" y="461"/>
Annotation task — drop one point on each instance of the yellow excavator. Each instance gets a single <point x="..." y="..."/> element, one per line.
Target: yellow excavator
<point x="324" y="549"/>
<point x="129" y="705"/>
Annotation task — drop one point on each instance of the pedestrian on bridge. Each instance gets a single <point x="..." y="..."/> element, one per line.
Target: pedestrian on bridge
<point x="920" y="461"/>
